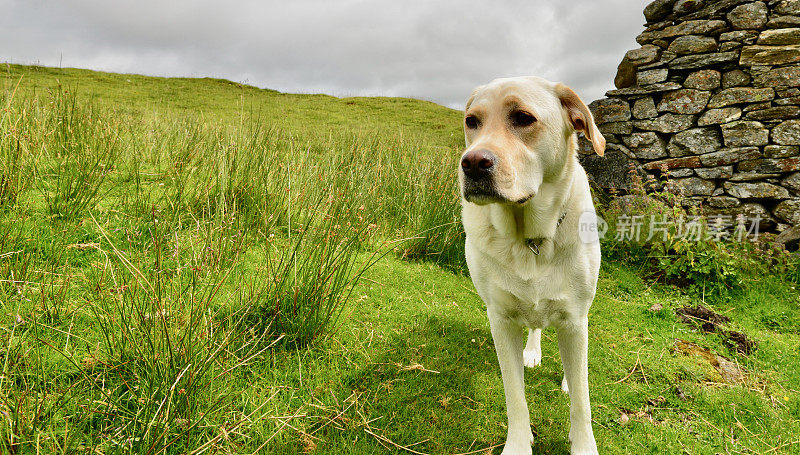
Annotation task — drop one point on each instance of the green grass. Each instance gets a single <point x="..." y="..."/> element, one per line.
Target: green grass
<point x="196" y="266"/>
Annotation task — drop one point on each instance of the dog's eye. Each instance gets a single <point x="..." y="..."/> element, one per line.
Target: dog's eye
<point x="471" y="121"/>
<point x="522" y="118"/>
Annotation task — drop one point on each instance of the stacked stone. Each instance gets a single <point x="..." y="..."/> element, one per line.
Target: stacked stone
<point x="711" y="98"/>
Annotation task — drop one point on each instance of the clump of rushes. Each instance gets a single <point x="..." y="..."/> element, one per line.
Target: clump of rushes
<point x="14" y="127"/>
<point x="155" y="377"/>
<point x="80" y="150"/>
<point x="434" y="224"/>
<point x="311" y="272"/>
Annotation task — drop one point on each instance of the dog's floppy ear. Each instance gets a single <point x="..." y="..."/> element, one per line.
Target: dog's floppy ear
<point x="581" y="117"/>
<point x="472" y="97"/>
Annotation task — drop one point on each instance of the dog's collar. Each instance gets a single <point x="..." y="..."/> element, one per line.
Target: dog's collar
<point x="533" y="244"/>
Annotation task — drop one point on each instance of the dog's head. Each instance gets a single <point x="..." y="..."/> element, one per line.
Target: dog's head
<point x="520" y="133"/>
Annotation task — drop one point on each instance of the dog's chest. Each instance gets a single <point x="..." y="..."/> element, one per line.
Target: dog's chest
<point x="530" y="288"/>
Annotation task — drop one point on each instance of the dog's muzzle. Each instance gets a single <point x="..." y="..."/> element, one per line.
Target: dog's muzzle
<point x="478" y="167"/>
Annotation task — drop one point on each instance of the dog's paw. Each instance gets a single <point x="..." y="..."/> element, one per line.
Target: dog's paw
<point x="518" y="445"/>
<point x="582" y="442"/>
<point x="591" y="450"/>
<point x="517" y="449"/>
<point x="564" y="385"/>
<point x="532" y="358"/>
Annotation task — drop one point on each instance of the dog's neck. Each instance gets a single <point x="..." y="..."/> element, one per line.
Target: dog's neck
<point x="539" y="218"/>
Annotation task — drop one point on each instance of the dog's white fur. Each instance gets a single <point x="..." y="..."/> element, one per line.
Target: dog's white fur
<point x="537" y="179"/>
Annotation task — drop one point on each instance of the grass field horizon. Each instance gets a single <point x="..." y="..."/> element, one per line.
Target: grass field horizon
<point x="191" y="265"/>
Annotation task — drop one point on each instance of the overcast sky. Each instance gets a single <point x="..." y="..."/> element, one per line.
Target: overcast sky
<point x="435" y="50"/>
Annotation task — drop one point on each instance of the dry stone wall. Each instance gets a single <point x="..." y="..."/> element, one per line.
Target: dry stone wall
<point x="712" y="99"/>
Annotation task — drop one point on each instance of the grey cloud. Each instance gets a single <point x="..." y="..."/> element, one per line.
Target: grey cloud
<point x="424" y="49"/>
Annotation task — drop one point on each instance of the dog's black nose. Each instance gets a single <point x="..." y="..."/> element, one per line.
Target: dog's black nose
<point x="477" y="163"/>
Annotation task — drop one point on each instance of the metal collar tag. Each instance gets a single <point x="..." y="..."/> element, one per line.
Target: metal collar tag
<point x="533" y="244"/>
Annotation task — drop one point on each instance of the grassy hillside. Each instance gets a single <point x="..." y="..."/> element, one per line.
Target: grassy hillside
<point x="221" y="100"/>
<point x="195" y="266"/>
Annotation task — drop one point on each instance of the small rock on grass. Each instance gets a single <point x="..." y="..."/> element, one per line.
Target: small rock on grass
<point x="728" y="371"/>
<point x="789" y="237"/>
<point x="679" y="393"/>
<point x="656" y="307"/>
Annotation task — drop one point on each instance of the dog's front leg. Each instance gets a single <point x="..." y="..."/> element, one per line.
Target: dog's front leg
<point x="507" y="337"/>
<point x="573" y="339"/>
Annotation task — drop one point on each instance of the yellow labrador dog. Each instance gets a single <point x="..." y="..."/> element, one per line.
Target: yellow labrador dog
<point x="532" y="246"/>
